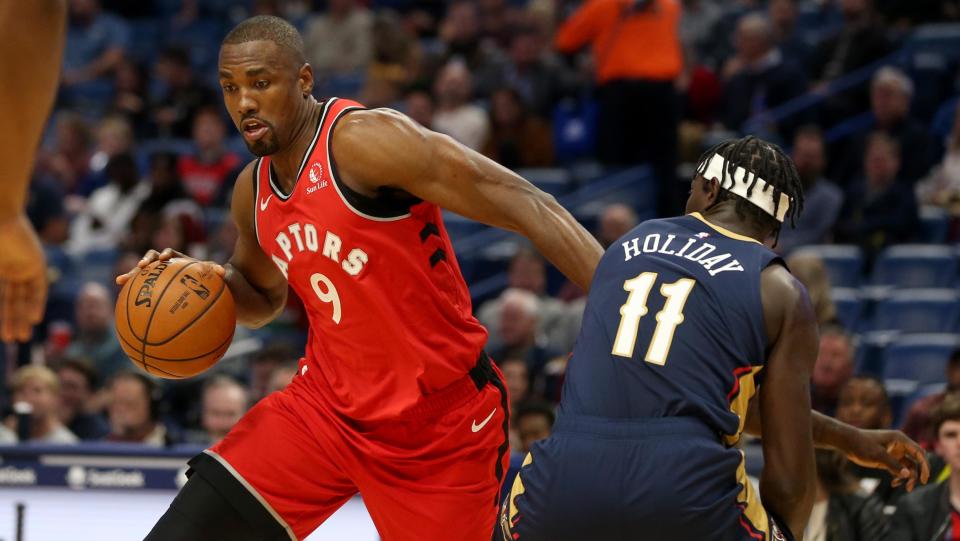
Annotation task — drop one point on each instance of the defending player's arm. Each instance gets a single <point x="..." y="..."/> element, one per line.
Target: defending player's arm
<point x="259" y="290"/>
<point x="384" y="148"/>
<point x="787" y="484"/>
<point x="33" y="35"/>
<point x="890" y="450"/>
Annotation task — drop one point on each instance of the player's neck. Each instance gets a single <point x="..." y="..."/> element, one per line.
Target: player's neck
<point x="286" y="162"/>
<point x="726" y="217"/>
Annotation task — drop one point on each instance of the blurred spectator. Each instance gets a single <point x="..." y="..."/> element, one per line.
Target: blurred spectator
<point x="133" y="411"/>
<point x="527" y="271"/>
<point x="204" y="173"/>
<point x="179" y="95"/>
<point x="758" y="78"/>
<point x="38" y="387"/>
<point x="167" y="199"/>
<point x="96" y="43"/>
<point x="860" y="41"/>
<point x="840" y="513"/>
<point x="107" y="216"/>
<point x="455" y="115"/>
<point x="534" y="422"/>
<point x="918" y="423"/>
<point x="418" y="105"/>
<point x="537" y="77"/>
<point x="224" y="403"/>
<point x="96" y="339"/>
<point x="864" y="403"/>
<point x="265" y="363"/>
<point x="879" y="210"/>
<point x="396" y="58"/>
<point x="7" y="436"/>
<point x="46" y="210"/>
<point x="339" y="41"/>
<point x="69" y="159"/>
<point x="78" y="383"/>
<point x="832" y="370"/>
<point x="130" y="97"/>
<point x="517" y="138"/>
<point x="281" y="377"/>
<point x="460" y="35"/>
<point x="812" y="273"/>
<point x="517" y="377"/>
<point x="929" y="512"/>
<point x="519" y="337"/>
<point x="638" y="105"/>
<point x="942" y="187"/>
<point x="114" y="137"/>
<point x="822" y="198"/>
<point x="616" y="220"/>
<point x="890" y="94"/>
<point x="697" y="24"/>
<point x="786" y="36"/>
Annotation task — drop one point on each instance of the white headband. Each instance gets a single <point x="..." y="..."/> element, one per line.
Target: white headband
<point x="761" y="195"/>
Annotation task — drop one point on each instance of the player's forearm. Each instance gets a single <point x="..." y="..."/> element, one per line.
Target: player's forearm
<point x="255" y="308"/>
<point x="827" y="432"/>
<point x="564" y="242"/>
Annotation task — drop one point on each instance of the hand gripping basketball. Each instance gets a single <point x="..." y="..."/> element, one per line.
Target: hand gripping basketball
<point x="169" y="253"/>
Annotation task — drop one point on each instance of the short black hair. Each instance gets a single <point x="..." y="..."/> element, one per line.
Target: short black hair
<point x="84" y="368"/>
<point x="761" y="159"/>
<point x="534" y="408"/>
<point x="269" y="28"/>
<point x="876" y="381"/>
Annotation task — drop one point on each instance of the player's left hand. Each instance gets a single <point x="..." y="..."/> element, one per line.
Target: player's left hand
<point x="23" y="279"/>
<point x="890" y="450"/>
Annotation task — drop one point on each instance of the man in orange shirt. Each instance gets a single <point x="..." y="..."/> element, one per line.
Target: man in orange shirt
<point x="637" y="56"/>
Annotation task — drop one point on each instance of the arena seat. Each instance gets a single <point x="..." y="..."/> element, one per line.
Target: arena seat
<point x="553" y="180"/>
<point x="918" y="311"/>
<point x="844" y="262"/>
<point x="869" y="356"/>
<point x="934" y="224"/>
<point x="916" y="265"/>
<point x="915" y="361"/>
<point x="850" y="306"/>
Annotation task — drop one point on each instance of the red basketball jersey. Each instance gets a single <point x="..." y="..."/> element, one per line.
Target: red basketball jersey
<point x="390" y="315"/>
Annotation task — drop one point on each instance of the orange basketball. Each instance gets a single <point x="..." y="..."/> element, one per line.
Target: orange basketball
<point x="175" y="318"/>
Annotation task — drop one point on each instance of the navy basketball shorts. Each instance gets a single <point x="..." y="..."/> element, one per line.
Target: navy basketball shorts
<point x="667" y="479"/>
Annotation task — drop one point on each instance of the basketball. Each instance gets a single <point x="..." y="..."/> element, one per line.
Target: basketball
<point x="175" y="318"/>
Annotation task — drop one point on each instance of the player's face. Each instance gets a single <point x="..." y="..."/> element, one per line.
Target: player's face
<point x="263" y="92"/>
<point x="948" y="443"/>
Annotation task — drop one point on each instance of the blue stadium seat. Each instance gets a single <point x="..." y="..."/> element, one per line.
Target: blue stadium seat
<point x="849" y="305"/>
<point x="574" y="129"/>
<point x="915" y="361"/>
<point x="869" y="356"/>
<point x="919" y="311"/>
<point x="916" y="265"/>
<point x="934" y="224"/>
<point x="98" y="266"/>
<point x="943" y="38"/>
<point x="459" y="227"/>
<point x="844" y="262"/>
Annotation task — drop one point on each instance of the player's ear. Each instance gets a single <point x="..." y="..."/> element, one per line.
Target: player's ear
<point x="305" y="80"/>
<point x="711" y="189"/>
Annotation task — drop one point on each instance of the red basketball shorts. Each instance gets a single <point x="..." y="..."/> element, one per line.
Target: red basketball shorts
<point x="431" y="475"/>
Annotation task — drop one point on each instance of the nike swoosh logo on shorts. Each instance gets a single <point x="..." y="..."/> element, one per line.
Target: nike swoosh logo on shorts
<point x="265" y="202"/>
<point x="477" y="427"/>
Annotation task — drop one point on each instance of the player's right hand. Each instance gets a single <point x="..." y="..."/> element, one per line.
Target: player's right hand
<point x="169" y="253"/>
<point x="23" y="279"/>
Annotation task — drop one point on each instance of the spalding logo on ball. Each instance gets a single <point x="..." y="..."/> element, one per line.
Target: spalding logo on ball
<point x="175" y="318"/>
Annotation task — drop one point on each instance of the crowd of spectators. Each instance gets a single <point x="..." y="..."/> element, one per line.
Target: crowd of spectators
<point x="140" y="154"/>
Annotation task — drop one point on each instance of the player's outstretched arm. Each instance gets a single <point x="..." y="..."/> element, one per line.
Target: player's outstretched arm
<point x="381" y="147"/>
<point x="787" y="483"/>
<point x="259" y="290"/>
<point x="33" y="35"/>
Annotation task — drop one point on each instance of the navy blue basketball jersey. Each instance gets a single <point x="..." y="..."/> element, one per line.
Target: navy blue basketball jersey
<point x="673" y="327"/>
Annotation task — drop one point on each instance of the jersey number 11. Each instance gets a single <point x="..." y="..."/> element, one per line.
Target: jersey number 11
<point x="667" y="319"/>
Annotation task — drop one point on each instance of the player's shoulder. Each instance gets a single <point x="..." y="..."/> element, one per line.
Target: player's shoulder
<point x="785" y="298"/>
<point x="363" y="127"/>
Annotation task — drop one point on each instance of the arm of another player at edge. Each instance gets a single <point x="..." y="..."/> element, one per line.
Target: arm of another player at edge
<point x="788" y="483"/>
<point x="259" y="289"/>
<point x="382" y="147"/>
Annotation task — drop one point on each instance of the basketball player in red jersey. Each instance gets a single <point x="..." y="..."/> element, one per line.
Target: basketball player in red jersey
<point x="395" y="397"/>
<point x="33" y="34"/>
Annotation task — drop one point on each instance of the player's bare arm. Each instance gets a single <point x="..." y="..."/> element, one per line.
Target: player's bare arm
<point x="889" y="450"/>
<point x="33" y="34"/>
<point x="383" y="148"/>
<point x="787" y="484"/>
<point x="258" y="288"/>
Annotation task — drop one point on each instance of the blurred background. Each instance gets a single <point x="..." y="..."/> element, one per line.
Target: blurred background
<point x="609" y="113"/>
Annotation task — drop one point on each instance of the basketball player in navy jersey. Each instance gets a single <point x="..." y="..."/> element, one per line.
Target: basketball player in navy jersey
<point x="694" y="332"/>
<point x="30" y="58"/>
<point x="394" y="397"/>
